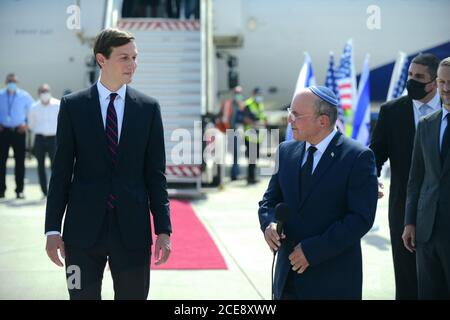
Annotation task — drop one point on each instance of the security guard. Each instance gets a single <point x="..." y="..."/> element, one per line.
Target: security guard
<point x="254" y="118"/>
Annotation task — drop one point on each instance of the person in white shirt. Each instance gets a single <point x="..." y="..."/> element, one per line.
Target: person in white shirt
<point x="42" y="121"/>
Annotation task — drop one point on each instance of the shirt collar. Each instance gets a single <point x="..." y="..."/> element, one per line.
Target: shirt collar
<point x="434" y="103"/>
<point x="105" y="92"/>
<point x="323" y="145"/>
<point x="444" y="113"/>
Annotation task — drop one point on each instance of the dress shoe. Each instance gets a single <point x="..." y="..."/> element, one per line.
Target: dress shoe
<point x="20" y="195"/>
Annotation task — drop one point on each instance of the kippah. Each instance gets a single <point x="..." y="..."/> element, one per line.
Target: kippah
<point x="325" y="94"/>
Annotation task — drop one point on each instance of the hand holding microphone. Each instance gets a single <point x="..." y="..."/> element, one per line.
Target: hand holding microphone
<point x="274" y="234"/>
<point x="274" y="231"/>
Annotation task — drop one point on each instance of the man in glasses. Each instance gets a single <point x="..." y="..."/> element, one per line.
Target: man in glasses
<point x="329" y="183"/>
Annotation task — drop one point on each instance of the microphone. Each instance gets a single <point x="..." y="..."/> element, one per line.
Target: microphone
<point x="281" y="216"/>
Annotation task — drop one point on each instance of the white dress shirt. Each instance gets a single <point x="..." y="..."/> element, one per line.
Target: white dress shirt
<point x="43" y="119"/>
<point x="119" y="105"/>
<point x="321" y="147"/>
<point x="434" y="103"/>
<point x="444" y="125"/>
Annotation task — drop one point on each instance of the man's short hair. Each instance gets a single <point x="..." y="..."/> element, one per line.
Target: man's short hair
<point x="323" y="107"/>
<point x="430" y="61"/>
<point x="44" y="88"/>
<point x="237" y="89"/>
<point x="445" y="62"/>
<point x="257" y="90"/>
<point x="109" y="39"/>
<point x="10" y="76"/>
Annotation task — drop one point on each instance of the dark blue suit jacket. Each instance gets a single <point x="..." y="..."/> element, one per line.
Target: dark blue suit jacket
<point x="83" y="174"/>
<point x="328" y="220"/>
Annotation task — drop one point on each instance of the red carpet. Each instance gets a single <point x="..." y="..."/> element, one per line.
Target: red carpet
<point x="192" y="246"/>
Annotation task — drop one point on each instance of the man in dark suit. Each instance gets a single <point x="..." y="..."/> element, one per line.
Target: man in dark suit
<point x="393" y="139"/>
<point x="108" y="171"/>
<point x="427" y="217"/>
<point x="329" y="183"/>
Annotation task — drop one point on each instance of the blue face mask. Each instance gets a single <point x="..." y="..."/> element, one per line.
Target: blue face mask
<point x="259" y="99"/>
<point x="11" y="86"/>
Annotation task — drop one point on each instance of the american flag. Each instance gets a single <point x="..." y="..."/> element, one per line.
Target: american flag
<point x="399" y="77"/>
<point x="345" y="78"/>
<point x="330" y="83"/>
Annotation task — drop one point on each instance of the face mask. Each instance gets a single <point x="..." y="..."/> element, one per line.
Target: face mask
<point x="45" y="97"/>
<point x="12" y="86"/>
<point x="238" y="97"/>
<point x="259" y="99"/>
<point x="416" y="89"/>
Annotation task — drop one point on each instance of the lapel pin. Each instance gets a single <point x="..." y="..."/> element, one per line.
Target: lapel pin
<point x="332" y="154"/>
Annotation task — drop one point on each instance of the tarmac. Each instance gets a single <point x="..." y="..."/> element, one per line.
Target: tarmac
<point x="228" y="213"/>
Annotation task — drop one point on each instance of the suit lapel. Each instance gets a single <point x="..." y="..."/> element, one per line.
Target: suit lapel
<point x="410" y="123"/>
<point x="432" y="129"/>
<point x="446" y="165"/>
<point x="331" y="153"/>
<point x="129" y="116"/>
<point x="296" y="162"/>
<point x="97" y="121"/>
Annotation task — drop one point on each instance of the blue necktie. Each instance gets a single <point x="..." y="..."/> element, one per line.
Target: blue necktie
<point x="306" y="171"/>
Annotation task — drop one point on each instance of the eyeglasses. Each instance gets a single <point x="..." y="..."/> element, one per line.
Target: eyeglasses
<point x="442" y="82"/>
<point x="291" y="116"/>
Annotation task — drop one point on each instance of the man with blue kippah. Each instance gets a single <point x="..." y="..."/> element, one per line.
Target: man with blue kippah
<point x="329" y="183"/>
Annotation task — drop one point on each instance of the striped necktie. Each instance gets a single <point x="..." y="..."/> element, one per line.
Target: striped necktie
<point x="112" y="138"/>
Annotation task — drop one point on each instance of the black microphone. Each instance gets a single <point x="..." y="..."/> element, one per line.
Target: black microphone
<point x="281" y="216"/>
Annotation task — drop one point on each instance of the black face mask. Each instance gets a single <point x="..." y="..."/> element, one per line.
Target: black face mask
<point x="416" y="89"/>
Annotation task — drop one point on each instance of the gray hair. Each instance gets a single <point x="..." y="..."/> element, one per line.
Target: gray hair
<point x="445" y="62"/>
<point x="324" y="108"/>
